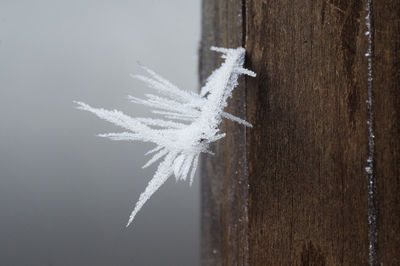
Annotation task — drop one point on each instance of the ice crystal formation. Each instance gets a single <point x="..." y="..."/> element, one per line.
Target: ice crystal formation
<point x="190" y="120"/>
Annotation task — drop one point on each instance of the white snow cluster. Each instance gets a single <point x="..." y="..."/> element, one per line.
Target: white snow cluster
<point x="190" y="122"/>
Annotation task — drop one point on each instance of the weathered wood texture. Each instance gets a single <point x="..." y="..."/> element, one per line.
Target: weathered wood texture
<point x="224" y="176"/>
<point x="386" y="89"/>
<point x="293" y="190"/>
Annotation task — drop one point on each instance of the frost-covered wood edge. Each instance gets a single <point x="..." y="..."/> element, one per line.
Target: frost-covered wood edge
<point x="306" y="156"/>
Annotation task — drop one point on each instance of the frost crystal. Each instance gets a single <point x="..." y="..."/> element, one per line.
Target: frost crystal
<point x="189" y="125"/>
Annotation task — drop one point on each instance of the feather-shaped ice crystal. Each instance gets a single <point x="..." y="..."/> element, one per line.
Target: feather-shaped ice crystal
<point x="189" y="125"/>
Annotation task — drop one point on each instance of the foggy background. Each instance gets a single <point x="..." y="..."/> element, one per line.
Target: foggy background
<point x="66" y="195"/>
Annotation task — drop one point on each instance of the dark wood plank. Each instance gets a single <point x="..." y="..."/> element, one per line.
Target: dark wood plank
<point x="294" y="190"/>
<point x="224" y="176"/>
<point x="308" y="150"/>
<point x="386" y="107"/>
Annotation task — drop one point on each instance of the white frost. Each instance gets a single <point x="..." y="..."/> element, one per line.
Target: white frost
<point x="189" y="125"/>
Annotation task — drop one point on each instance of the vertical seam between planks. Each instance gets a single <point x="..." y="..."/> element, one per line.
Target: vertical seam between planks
<point x="244" y="23"/>
<point x="372" y="190"/>
<point x="246" y="259"/>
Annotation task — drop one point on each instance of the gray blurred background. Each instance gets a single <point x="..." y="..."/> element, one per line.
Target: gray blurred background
<point x="66" y="195"/>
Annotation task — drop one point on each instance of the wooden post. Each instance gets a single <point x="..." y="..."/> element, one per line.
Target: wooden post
<point x="294" y="189"/>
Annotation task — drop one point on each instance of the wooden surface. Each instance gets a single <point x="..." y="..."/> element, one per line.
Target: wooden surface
<point x="224" y="176"/>
<point x="293" y="190"/>
<point x="386" y="87"/>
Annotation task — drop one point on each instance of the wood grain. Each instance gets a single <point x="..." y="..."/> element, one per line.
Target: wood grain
<point x="386" y="92"/>
<point x="293" y="190"/>
<point x="308" y="196"/>
<point x="224" y="176"/>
